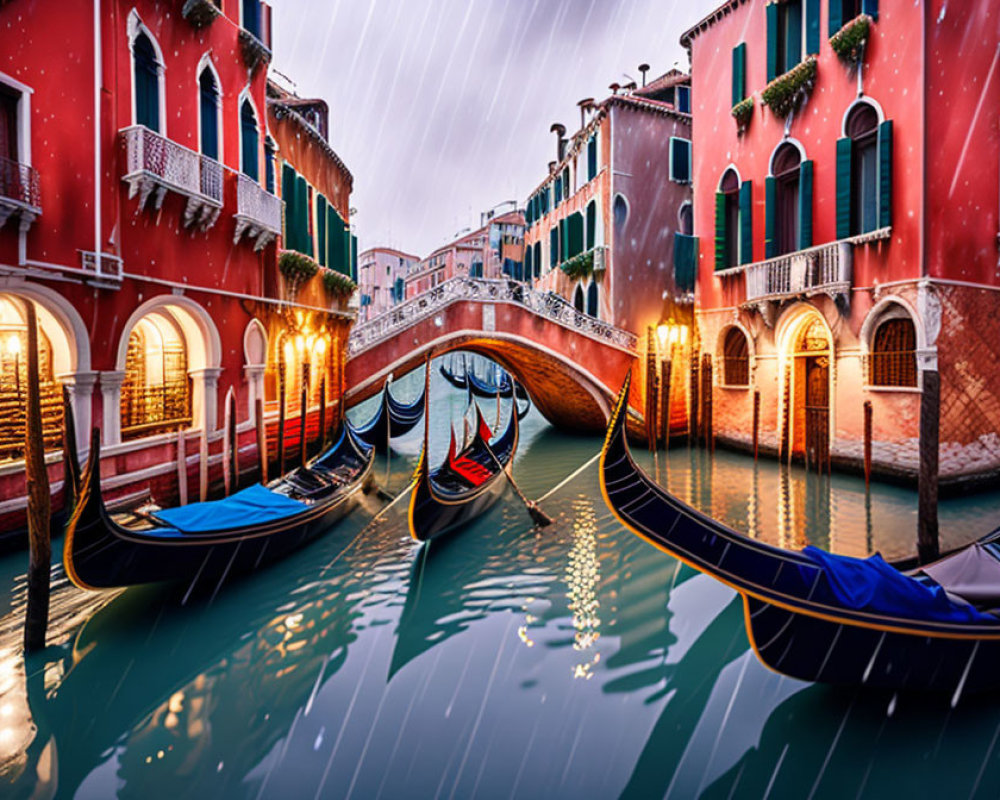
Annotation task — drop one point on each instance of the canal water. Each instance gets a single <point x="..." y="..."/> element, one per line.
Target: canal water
<point x="573" y="661"/>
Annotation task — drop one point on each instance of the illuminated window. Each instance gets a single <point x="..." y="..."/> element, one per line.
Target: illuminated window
<point x="156" y="392"/>
<point x="893" y="357"/>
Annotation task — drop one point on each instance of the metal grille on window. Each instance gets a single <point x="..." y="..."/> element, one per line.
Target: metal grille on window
<point x="736" y="359"/>
<point x="893" y="357"/>
<point x="156" y="395"/>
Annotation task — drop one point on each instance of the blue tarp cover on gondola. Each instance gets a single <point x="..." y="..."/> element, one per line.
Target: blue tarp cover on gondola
<point x="872" y="585"/>
<point x="253" y="506"/>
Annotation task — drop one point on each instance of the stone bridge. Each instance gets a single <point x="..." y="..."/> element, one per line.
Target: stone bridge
<point x="571" y="364"/>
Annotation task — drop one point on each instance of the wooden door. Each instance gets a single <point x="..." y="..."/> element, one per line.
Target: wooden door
<point x="817" y="409"/>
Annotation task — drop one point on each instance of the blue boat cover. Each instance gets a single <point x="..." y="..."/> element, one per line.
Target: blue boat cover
<point x="253" y="506"/>
<point x="871" y="584"/>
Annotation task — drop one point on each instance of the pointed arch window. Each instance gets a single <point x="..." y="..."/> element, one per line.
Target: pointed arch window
<point x="736" y="358"/>
<point x="146" y="80"/>
<point x="788" y="202"/>
<point x="248" y="141"/>
<point x="578" y="298"/>
<point x="592" y="299"/>
<point x="208" y="103"/>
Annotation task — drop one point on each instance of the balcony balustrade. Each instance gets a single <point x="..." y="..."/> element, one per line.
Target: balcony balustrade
<point x="19" y="193"/>
<point x="258" y="213"/>
<point x="155" y="165"/>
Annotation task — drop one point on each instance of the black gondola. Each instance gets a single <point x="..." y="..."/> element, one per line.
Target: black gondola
<point x="816" y="616"/>
<point x="205" y="542"/>
<point x="465" y="485"/>
<point x="392" y="419"/>
<point x="480" y="387"/>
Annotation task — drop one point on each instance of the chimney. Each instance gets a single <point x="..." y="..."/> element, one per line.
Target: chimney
<point x="586" y="103"/>
<point x="614" y="87"/>
<point x="560" y="131"/>
<point x="552" y="166"/>
<point x="630" y="86"/>
<point x="644" y="68"/>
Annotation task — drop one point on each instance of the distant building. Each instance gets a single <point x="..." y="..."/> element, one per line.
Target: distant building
<point x="848" y="229"/>
<point x="382" y="275"/>
<point x="494" y="250"/>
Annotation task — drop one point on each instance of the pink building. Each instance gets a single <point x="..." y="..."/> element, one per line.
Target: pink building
<point x="494" y="250"/>
<point x="382" y="274"/>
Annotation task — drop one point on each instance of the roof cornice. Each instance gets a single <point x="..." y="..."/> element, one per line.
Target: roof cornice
<point x="707" y="22"/>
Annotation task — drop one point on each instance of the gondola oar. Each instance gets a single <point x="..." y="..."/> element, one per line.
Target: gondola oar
<point x="539" y="517"/>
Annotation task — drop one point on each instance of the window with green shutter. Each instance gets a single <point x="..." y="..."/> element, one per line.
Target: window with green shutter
<point x="554" y="246"/>
<point x="288" y="195"/>
<point x="720" y="231"/>
<point x="302" y="216"/>
<point x="249" y="157"/>
<point x="870" y="7"/>
<point x="567" y="190"/>
<point x="885" y="174"/>
<point x="564" y="239"/>
<point x="146" y="78"/>
<point x="844" y="193"/>
<point x="784" y="36"/>
<point x="684" y="99"/>
<point x="805" y="205"/>
<point x="746" y="222"/>
<point x="574" y="234"/>
<point x="680" y="159"/>
<point x="354" y="258"/>
<point x="770" y="204"/>
<point x="812" y="27"/>
<point x="592" y="157"/>
<point x="591" y="224"/>
<point x="321" y="248"/>
<point x="739" y="72"/>
<point x="771" y="10"/>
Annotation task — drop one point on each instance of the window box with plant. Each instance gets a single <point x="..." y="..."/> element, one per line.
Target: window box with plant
<point x="579" y="266"/>
<point x="296" y="267"/>
<point x="788" y="92"/>
<point x="338" y="285"/>
<point x="743" y="113"/>
<point x="849" y="42"/>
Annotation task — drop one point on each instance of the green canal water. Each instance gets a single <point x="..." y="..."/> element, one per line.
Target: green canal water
<point x="570" y="662"/>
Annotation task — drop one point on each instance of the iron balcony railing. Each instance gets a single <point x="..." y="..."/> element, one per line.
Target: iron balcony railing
<point x="545" y="304"/>
<point x="19" y="183"/>
<point x="171" y="165"/>
<point x="257" y="205"/>
<point x="825" y="268"/>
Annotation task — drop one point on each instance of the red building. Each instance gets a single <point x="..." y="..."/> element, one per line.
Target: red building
<point x="846" y="162"/>
<point x="609" y="228"/>
<point x="137" y="192"/>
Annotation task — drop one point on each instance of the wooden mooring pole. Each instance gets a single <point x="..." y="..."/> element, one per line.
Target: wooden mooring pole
<point x="868" y="444"/>
<point x="322" y="413"/>
<point x="282" y="410"/>
<point x="694" y="419"/>
<point x="234" y="445"/>
<point x="756" y="423"/>
<point x="666" y="371"/>
<point x="303" y="413"/>
<point x="927" y="513"/>
<point x="39" y="502"/>
<point x="706" y="394"/>
<point x="262" y="454"/>
<point x="71" y="464"/>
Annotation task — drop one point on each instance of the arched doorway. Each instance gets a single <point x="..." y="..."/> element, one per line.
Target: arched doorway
<point x="809" y="352"/>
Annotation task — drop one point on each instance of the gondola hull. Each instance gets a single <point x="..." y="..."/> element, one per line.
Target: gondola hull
<point x="391" y="420"/>
<point x="432" y="516"/>
<point x="793" y="620"/>
<point x="99" y="553"/>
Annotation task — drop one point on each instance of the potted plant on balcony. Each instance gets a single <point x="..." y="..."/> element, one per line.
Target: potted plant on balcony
<point x="338" y="286"/>
<point x="297" y="268"/>
<point x="788" y="92"/>
<point x="743" y="113"/>
<point x="579" y="266"/>
<point x="849" y="42"/>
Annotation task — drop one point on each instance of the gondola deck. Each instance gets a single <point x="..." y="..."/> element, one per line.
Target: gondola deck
<point x="804" y="617"/>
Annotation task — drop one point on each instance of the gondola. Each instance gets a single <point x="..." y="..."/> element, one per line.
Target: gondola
<point x="392" y="419"/>
<point x="821" y="617"/>
<point x="465" y="485"/>
<point x="481" y="387"/>
<point x="205" y="542"/>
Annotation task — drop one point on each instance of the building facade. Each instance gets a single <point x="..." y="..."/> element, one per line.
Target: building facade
<point x="493" y="250"/>
<point x="846" y="206"/>
<point x="139" y="216"/>
<point x="610" y="228"/>
<point x="382" y="275"/>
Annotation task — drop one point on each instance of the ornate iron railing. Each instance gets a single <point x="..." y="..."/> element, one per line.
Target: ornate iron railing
<point x="19" y="182"/>
<point x="257" y="205"/>
<point x="545" y="304"/>
<point x="822" y="269"/>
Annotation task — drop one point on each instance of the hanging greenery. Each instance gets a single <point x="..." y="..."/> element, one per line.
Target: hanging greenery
<point x="579" y="266"/>
<point x="296" y="267"/>
<point x="743" y="113"/>
<point x="337" y="284"/>
<point x="849" y="41"/>
<point x="787" y="92"/>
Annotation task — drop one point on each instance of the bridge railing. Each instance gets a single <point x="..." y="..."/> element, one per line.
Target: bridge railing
<point x="545" y="304"/>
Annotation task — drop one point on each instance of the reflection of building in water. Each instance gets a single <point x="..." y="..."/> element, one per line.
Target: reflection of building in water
<point x="582" y="575"/>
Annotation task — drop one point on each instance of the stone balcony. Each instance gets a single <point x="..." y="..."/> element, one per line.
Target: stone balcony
<point x="155" y="165"/>
<point x="258" y="213"/>
<point x="824" y="269"/>
<point x="19" y="193"/>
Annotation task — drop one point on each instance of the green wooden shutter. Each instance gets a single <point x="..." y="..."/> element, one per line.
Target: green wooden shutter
<point x="885" y="174"/>
<point x="592" y="158"/>
<point x="575" y="228"/>
<point x="720" y="231"/>
<point x="739" y="72"/>
<point x="354" y="257"/>
<point x="805" y="205"/>
<point x="772" y="41"/>
<point x="812" y="26"/>
<point x="591" y="225"/>
<point x="870" y="7"/>
<point x="288" y="195"/>
<point x="793" y="37"/>
<point x="746" y="222"/>
<point x="844" y="187"/>
<point x="770" y="203"/>
<point x="321" y="229"/>
<point x="345" y="233"/>
<point x="836" y="21"/>
<point x="564" y="239"/>
<point x="554" y="246"/>
<point x="303" y="245"/>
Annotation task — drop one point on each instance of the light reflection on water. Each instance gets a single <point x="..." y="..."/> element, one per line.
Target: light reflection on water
<point x="574" y="661"/>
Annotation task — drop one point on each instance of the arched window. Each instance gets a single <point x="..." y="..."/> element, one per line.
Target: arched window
<point x="538" y="259"/>
<point x="729" y="206"/>
<point x="786" y="174"/>
<point x="862" y="129"/>
<point x="147" y="83"/>
<point x="248" y="141"/>
<point x="156" y="394"/>
<point x="685" y="218"/>
<point x="208" y="103"/>
<point x="736" y="358"/>
<point x="592" y="299"/>
<point x="893" y="358"/>
<point x="578" y="299"/>
<point x="529" y="267"/>
<point x="591" y="224"/>
<point x="620" y="210"/>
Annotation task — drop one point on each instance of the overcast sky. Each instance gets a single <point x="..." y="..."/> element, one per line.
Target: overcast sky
<point x="441" y="108"/>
